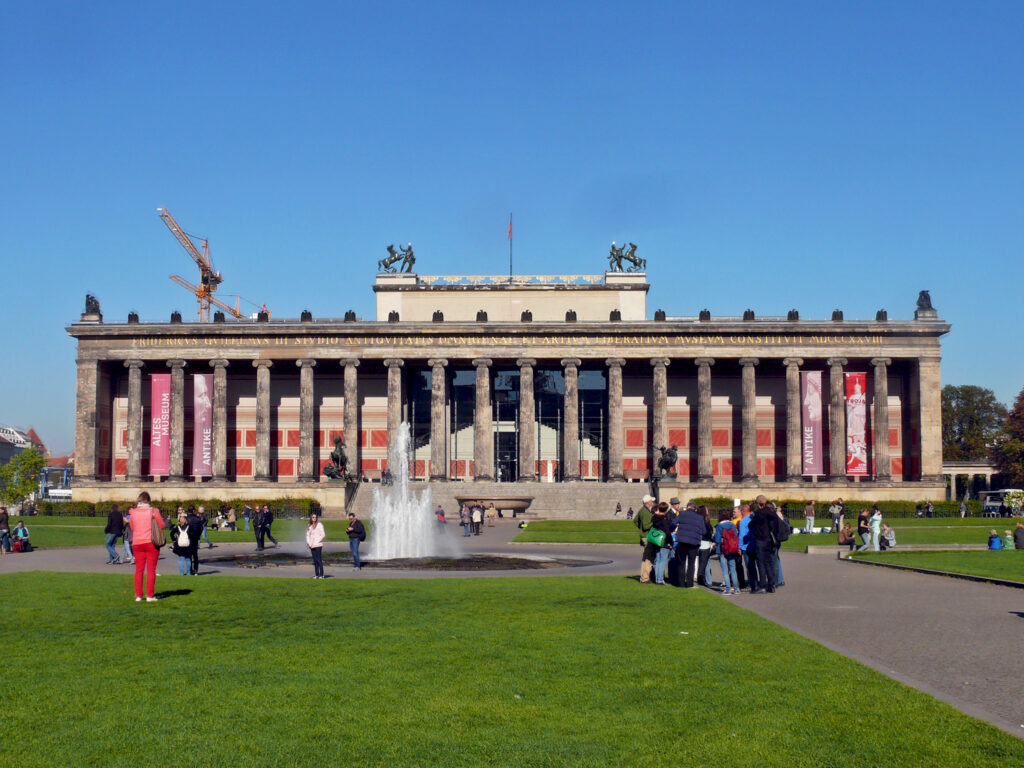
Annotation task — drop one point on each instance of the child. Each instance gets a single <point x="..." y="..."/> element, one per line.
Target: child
<point x="994" y="542"/>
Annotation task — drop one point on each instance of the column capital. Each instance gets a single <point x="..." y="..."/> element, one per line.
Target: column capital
<point x="523" y="362"/>
<point x="219" y="362"/>
<point x="306" y="362"/>
<point x="745" y="361"/>
<point x="133" y="364"/>
<point x="702" y="361"/>
<point x="881" y="361"/>
<point x="570" y="362"/>
<point x="788" y="361"/>
<point x="262" y="363"/>
<point x="482" y="362"/>
<point x="656" y="361"/>
<point x="615" y="362"/>
<point x="394" y="362"/>
<point x="349" y="361"/>
<point x="434" y="362"/>
<point x="834" y="362"/>
<point x="178" y="363"/>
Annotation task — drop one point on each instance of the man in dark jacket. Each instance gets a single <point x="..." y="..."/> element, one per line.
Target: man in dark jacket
<point x="356" y="535"/>
<point x="257" y="527"/>
<point x="114" y="530"/>
<point x="268" y="520"/>
<point x="644" y="520"/>
<point x="689" y="529"/>
<point x="763" y="534"/>
<point x="195" y="532"/>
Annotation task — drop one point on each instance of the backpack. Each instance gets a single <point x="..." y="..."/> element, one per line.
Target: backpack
<point x="730" y="541"/>
<point x="782" y="531"/>
<point x="183" y="537"/>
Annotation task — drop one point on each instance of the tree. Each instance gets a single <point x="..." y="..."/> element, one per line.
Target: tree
<point x="972" y="419"/>
<point x="20" y="476"/>
<point x="1009" y="450"/>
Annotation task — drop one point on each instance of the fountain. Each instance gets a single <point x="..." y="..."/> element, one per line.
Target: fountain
<point x="404" y="525"/>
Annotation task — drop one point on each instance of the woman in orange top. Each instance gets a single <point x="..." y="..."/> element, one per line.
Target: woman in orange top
<point x="141" y="520"/>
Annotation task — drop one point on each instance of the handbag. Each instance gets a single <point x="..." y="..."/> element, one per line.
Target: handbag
<point x="656" y="536"/>
<point x="705" y="544"/>
<point x="157" y="535"/>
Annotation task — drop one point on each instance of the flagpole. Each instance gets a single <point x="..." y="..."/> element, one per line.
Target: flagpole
<point x="510" y="247"/>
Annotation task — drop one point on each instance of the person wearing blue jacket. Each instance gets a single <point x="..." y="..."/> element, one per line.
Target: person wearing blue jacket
<point x="994" y="541"/>
<point x="747" y="550"/>
<point x="689" y="529"/>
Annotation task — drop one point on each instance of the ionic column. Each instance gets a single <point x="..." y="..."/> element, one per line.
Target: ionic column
<point x="86" y="407"/>
<point x="794" y="460"/>
<point x="615" y="436"/>
<point x="704" y="419"/>
<point x="306" y="470"/>
<point x="527" y="421"/>
<point x="660" y="388"/>
<point x="134" y="419"/>
<point x="483" y="425"/>
<point x="930" y="404"/>
<point x="837" y="419"/>
<point x="880" y="417"/>
<point x="350" y="419"/>
<point x="220" y="417"/>
<point x="261" y="470"/>
<point x="438" y="434"/>
<point x="571" y="424"/>
<point x="749" y="419"/>
<point x="394" y="366"/>
<point x="177" y="438"/>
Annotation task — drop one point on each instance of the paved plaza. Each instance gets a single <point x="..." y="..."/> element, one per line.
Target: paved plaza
<point x="954" y="639"/>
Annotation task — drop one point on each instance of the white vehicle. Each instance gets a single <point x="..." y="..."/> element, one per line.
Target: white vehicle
<point x="991" y="501"/>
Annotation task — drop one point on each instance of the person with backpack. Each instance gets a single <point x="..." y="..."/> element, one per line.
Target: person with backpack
<point x="142" y="518"/>
<point x="782" y="531"/>
<point x="727" y="537"/>
<point x="195" y="533"/>
<point x="180" y="543"/>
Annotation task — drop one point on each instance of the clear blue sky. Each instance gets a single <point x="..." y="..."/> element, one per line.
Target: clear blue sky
<point x="764" y="155"/>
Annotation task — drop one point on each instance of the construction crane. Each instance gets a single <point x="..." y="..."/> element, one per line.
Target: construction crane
<point x="209" y="278"/>
<point x="198" y="291"/>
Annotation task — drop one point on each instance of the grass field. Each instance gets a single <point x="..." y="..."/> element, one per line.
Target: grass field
<point x="910" y="531"/>
<point x="583" y="671"/>
<point x="999" y="564"/>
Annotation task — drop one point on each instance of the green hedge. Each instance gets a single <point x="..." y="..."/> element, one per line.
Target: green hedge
<point x="794" y="508"/>
<point x="282" y="507"/>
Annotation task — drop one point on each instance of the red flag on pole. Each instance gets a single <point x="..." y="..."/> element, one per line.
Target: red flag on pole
<point x="510" y="227"/>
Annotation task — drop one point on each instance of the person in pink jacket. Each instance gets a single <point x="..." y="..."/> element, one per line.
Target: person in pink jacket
<point x="141" y="518"/>
<point x="315" y="541"/>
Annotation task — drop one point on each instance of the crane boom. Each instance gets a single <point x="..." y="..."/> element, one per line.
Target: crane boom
<point x="201" y="259"/>
<point x="203" y="297"/>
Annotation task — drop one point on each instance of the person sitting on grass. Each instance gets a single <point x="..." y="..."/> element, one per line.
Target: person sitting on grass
<point x="888" y="537"/>
<point x="994" y="541"/>
<point x="1018" y="535"/>
<point x="1009" y="540"/>
<point x="21" y="536"/>
<point x="846" y="537"/>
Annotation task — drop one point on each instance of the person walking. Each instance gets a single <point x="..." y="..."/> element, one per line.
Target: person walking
<point x="356" y="535"/>
<point x="195" y="533"/>
<point x="864" y="530"/>
<point x="465" y="519"/>
<point x="315" y="536"/>
<point x="206" y="524"/>
<point x="247" y="516"/>
<point x="181" y="545"/>
<point x="268" y="521"/>
<point x="257" y="527"/>
<point x="809" y="517"/>
<point x="875" y="521"/>
<point x="441" y="520"/>
<point x="114" y="529"/>
<point x="660" y="522"/>
<point x="142" y="517"/>
<point x="126" y="540"/>
<point x="643" y="520"/>
<point x="689" y="532"/>
<point x="727" y="539"/>
<point x="763" y="533"/>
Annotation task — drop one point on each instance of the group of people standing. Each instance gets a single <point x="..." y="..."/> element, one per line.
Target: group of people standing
<point x="683" y="539"/>
<point x="472" y="516"/>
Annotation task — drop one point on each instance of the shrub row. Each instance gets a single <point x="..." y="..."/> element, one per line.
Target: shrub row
<point x="285" y="507"/>
<point x="794" y="508"/>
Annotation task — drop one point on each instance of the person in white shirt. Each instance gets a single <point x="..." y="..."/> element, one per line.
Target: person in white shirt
<point x="315" y="536"/>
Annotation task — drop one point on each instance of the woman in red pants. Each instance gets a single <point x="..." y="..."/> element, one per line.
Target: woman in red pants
<point x="141" y="520"/>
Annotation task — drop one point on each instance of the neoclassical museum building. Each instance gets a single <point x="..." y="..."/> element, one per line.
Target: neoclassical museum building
<point x="533" y="387"/>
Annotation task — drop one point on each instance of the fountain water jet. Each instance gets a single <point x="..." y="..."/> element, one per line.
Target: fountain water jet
<point x="404" y="525"/>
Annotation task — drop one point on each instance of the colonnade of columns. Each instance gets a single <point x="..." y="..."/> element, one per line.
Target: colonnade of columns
<point x="927" y="389"/>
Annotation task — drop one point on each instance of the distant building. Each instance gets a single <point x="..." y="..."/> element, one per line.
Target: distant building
<point x="13" y="441"/>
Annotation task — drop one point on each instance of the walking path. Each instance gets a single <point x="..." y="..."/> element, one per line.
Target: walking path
<point x="956" y="640"/>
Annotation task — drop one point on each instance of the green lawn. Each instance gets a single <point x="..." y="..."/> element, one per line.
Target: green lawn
<point x="999" y="564"/>
<point x="917" y="534"/>
<point x="581" y="671"/>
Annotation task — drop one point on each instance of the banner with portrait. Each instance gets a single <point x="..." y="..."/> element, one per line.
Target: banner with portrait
<point x="202" y="410"/>
<point x="160" y="425"/>
<point x="810" y="439"/>
<point x="856" y="424"/>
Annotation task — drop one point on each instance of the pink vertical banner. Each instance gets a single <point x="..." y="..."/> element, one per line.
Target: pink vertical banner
<point x="856" y="424"/>
<point x="202" y="414"/>
<point x="810" y="439"/>
<point x="160" y="425"/>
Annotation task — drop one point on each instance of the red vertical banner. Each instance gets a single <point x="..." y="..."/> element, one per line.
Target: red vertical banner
<point x="160" y="425"/>
<point x="856" y="424"/>
<point x="202" y="410"/>
<point x="810" y="438"/>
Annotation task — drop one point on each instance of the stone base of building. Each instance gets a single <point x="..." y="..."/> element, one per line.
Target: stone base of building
<point x="581" y="500"/>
